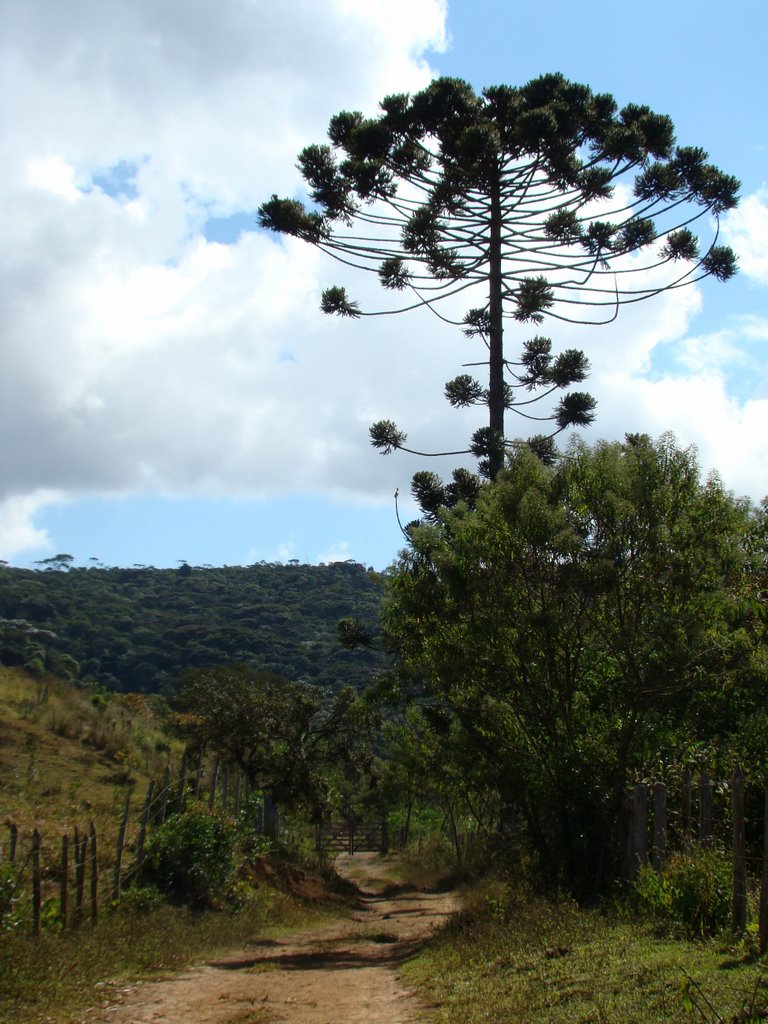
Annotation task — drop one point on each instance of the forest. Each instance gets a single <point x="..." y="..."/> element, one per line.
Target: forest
<point x="138" y="629"/>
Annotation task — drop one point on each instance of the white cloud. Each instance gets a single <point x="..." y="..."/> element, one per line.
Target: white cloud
<point x="136" y="356"/>
<point x="52" y="174"/>
<point x="17" y="530"/>
<point x="730" y="435"/>
<point x="746" y="230"/>
<point x="339" y="552"/>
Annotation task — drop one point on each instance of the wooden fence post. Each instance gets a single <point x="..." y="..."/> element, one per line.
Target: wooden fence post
<point x="639" y="827"/>
<point x="80" y="852"/>
<point x="143" y="831"/>
<point x="12" y="842"/>
<point x="225" y="790"/>
<point x="163" y="798"/>
<point x="238" y="785"/>
<point x="198" y="775"/>
<point x="214" y="783"/>
<point x="94" y="876"/>
<point x="739" y="902"/>
<point x="182" y="783"/>
<point x="705" y="810"/>
<point x="64" y="880"/>
<point x="384" y="837"/>
<point x="36" y="883"/>
<point x="764" y="881"/>
<point x="268" y="816"/>
<point x="687" y="800"/>
<point x="120" y="848"/>
<point x="659" y="825"/>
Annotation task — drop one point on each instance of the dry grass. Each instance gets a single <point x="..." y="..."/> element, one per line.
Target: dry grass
<point x="56" y="978"/>
<point x="67" y="759"/>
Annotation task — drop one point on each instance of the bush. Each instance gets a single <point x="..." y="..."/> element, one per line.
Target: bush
<point x="190" y="858"/>
<point x="141" y="900"/>
<point x="10" y="896"/>
<point x="693" y="891"/>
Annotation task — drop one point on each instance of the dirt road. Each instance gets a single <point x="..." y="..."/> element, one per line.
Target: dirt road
<point x="338" y="974"/>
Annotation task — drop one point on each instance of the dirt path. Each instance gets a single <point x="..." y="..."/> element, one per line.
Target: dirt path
<point x="338" y="974"/>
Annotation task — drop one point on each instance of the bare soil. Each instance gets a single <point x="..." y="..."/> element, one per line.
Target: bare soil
<point x="344" y="973"/>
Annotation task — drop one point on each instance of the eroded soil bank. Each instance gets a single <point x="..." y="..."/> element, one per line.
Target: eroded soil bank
<point x="345" y="973"/>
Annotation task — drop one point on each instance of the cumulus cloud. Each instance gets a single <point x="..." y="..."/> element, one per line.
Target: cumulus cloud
<point x="16" y="514"/>
<point x="746" y="229"/>
<point x="138" y="357"/>
<point x="135" y="355"/>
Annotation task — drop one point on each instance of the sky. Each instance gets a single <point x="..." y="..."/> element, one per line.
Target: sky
<point x="169" y="389"/>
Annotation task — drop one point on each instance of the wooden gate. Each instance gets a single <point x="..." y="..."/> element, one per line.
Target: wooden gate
<point x="352" y="837"/>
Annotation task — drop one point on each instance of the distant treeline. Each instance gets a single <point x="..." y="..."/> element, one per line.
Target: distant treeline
<point x="138" y="629"/>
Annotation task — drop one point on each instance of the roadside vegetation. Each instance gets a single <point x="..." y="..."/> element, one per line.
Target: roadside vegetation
<point x="513" y="956"/>
<point x="58" y="977"/>
<point x="69" y="755"/>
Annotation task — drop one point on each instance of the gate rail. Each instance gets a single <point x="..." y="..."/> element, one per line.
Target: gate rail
<point x="352" y="837"/>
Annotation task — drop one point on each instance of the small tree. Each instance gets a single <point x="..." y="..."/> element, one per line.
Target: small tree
<point x="531" y="202"/>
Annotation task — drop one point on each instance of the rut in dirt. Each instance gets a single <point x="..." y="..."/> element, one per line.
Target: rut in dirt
<point x="344" y="973"/>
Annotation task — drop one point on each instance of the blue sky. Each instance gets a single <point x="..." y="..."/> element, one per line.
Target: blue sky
<point x="168" y="387"/>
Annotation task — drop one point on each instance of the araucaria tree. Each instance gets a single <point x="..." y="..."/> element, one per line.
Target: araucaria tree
<point x="531" y="202"/>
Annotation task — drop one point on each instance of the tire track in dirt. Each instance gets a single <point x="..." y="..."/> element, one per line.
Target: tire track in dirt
<point x="344" y="973"/>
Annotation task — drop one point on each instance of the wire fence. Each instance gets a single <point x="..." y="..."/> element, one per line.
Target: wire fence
<point x="69" y="879"/>
<point x="731" y="814"/>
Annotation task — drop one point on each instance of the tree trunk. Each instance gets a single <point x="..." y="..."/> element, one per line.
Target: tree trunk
<point x="496" y="331"/>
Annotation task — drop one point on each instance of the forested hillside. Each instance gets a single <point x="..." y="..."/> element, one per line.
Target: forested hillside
<point x="138" y="629"/>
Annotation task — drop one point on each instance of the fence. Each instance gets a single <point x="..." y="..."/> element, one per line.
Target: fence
<point x="352" y="837"/>
<point x="650" y="818"/>
<point x="75" y="876"/>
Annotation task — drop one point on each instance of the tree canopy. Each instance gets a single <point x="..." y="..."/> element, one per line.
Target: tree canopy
<point x="291" y="739"/>
<point x="139" y="629"/>
<point x="585" y="620"/>
<point x="519" y="204"/>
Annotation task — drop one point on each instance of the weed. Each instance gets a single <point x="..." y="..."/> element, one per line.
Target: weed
<point x="692" y="893"/>
<point x="510" y="955"/>
<point x="11" y="896"/>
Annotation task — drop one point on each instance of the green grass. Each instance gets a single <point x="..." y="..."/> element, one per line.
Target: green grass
<point x="529" y="961"/>
<point x="58" y="976"/>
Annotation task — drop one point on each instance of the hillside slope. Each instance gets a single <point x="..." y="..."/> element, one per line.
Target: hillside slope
<point x="137" y="629"/>
<point x="68" y="756"/>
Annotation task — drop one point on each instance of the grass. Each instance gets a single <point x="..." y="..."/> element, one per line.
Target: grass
<point x="530" y="961"/>
<point x="58" y="977"/>
<point x="68" y="757"/>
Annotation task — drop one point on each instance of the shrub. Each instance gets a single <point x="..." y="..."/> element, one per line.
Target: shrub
<point x="10" y="896"/>
<point x="190" y="857"/>
<point x="141" y="900"/>
<point x="693" y="891"/>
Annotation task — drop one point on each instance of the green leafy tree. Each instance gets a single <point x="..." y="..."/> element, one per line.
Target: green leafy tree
<point x="290" y="739"/>
<point x="574" y="625"/>
<point x="543" y="201"/>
